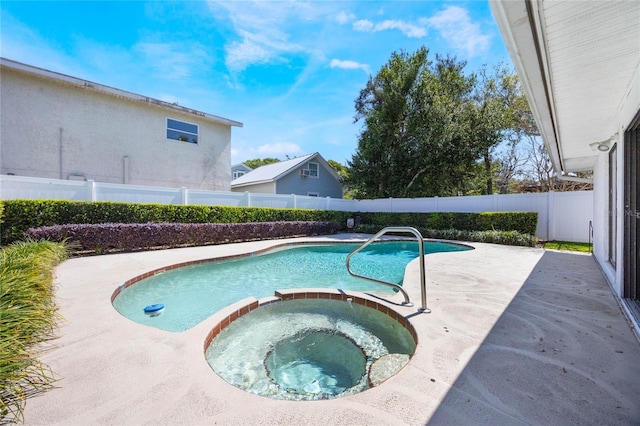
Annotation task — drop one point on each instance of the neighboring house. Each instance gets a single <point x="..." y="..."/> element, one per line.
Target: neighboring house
<point x="307" y="175"/>
<point x="579" y="63"/>
<point x="62" y="127"/>
<point x="238" y="170"/>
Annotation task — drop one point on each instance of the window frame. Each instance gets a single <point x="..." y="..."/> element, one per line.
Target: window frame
<point x="179" y="131"/>
<point x="317" y="170"/>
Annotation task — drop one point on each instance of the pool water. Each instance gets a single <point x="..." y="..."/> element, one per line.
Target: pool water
<point x="193" y="293"/>
<point x="307" y="349"/>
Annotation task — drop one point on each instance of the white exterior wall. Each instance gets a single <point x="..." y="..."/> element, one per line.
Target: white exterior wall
<point x="629" y="107"/>
<point x="54" y="129"/>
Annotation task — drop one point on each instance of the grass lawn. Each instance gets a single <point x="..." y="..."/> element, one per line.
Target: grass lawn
<point x="568" y="245"/>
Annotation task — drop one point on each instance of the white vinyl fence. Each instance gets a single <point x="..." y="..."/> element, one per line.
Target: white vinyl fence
<point x="561" y="215"/>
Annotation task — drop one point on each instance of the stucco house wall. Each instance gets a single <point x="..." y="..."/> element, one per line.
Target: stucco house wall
<point x="54" y="127"/>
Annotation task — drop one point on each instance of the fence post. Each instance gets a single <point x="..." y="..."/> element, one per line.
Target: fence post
<point x="294" y="201"/>
<point x="328" y="203"/>
<point x="247" y="198"/>
<point x="91" y="190"/>
<point x="185" y="196"/>
<point x="550" y="218"/>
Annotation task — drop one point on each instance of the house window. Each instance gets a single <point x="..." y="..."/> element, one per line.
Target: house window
<point x="313" y="169"/>
<point x="238" y="173"/>
<point x="181" y="131"/>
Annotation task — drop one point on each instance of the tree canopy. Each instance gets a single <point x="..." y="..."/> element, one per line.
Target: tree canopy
<point x="258" y="162"/>
<point x="428" y="129"/>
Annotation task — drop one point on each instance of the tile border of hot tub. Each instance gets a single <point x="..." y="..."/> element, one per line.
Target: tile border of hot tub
<point x="235" y="311"/>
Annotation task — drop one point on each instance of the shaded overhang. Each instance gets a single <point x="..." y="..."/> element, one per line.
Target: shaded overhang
<point x="578" y="63"/>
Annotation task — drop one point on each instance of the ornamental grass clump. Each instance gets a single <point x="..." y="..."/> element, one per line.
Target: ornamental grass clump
<point x="28" y="318"/>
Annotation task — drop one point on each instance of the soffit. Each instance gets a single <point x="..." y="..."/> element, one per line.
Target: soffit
<point x="592" y="51"/>
<point x="578" y="62"/>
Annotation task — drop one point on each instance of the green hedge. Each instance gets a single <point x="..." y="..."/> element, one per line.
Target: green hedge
<point x="20" y="215"/>
<point x="511" y="238"/>
<point x="522" y="222"/>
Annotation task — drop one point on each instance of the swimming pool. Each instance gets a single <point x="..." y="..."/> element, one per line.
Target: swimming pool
<point x="193" y="293"/>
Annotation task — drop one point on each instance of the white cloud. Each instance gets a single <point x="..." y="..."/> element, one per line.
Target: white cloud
<point x="344" y="17"/>
<point x="171" y="60"/>
<point x="410" y="30"/>
<point x="262" y="30"/>
<point x="456" y="27"/>
<point x="349" y="65"/>
<point x="363" y="25"/>
<point x="242" y="54"/>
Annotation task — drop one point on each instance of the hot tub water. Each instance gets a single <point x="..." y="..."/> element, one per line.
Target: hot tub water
<point x="306" y="349"/>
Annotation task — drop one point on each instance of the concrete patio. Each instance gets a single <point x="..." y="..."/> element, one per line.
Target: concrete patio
<point x="516" y="336"/>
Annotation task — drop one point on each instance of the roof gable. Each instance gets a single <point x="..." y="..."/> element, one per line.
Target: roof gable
<point x="275" y="171"/>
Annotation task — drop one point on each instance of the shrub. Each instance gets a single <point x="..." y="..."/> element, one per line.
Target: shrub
<point x="513" y="238"/>
<point x="522" y="222"/>
<point x="101" y="238"/>
<point x="21" y="215"/>
<point x="28" y="317"/>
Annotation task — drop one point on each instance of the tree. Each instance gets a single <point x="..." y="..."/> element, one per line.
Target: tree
<point x="412" y="142"/>
<point x="341" y="169"/>
<point x="500" y="115"/>
<point x="541" y="174"/>
<point x="429" y="129"/>
<point x="257" y="162"/>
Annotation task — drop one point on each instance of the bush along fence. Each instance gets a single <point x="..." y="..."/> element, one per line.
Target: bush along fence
<point x="86" y="223"/>
<point x="110" y="237"/>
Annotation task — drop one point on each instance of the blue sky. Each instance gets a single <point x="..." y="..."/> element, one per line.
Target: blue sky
<point x="288" y="70"/>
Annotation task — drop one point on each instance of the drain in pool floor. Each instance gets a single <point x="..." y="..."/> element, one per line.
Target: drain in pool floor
<point x="316" y="363"/>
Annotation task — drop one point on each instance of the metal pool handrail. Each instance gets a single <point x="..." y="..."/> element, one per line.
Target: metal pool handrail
<point x="423" y="286"/>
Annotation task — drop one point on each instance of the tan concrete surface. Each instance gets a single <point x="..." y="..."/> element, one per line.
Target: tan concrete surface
<point x="516" y="336"/>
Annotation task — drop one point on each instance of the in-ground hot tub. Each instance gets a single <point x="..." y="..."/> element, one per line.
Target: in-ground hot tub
<point x="310" y="345"/>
